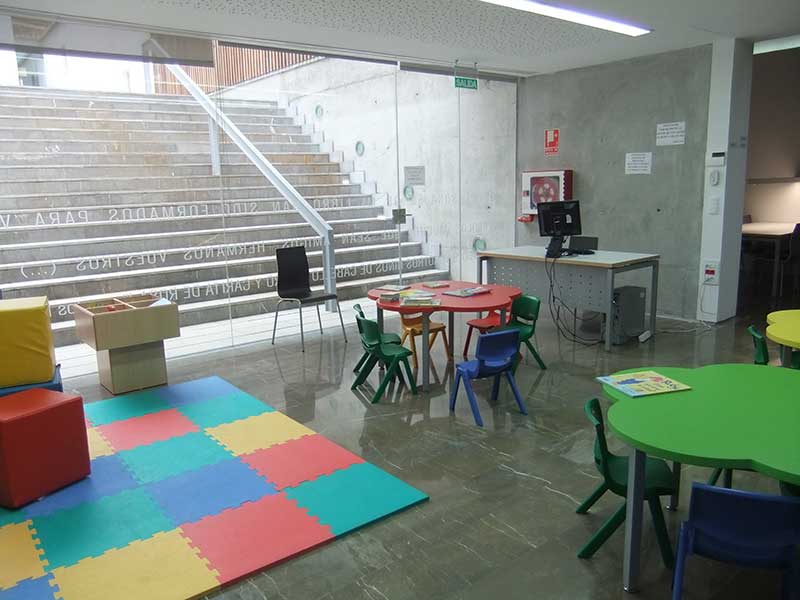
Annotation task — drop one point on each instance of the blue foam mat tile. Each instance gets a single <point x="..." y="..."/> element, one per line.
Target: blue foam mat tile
<point x="109" y="476"/>
<point x="185" y="497"/>
<point x="199" y="389"/>
<point x="31" y="589"/>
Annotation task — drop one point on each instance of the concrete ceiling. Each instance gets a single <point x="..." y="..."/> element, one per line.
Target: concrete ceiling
<point x="441" y="31"/>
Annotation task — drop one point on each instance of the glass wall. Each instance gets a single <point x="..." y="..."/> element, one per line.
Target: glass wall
<point x="117" y="182"/>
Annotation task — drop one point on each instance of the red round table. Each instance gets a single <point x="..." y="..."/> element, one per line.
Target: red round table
<point x="498" y="298"/>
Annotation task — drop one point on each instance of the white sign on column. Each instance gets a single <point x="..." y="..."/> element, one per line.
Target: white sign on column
<point x="638" y="163"/>
<point x="671" y="134"/>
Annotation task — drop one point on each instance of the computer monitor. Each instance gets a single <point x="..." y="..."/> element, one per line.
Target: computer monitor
<point x="557" y="220"/>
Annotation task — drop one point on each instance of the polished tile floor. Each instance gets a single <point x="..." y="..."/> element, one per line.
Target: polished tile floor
<point x="501" y="521"/>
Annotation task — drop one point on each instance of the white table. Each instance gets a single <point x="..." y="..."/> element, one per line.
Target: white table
<point x="776" y="233"/>
<point x="584" y="281"/>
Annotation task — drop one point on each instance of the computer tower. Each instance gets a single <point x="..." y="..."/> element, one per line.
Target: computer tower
<point x="627" y="321"/>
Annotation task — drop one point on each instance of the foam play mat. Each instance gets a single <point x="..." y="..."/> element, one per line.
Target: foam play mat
<point x="193" y="486"/>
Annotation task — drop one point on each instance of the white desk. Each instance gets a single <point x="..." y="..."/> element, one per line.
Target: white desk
<point x="584" y="281"/>
<point x="776" y="233"/>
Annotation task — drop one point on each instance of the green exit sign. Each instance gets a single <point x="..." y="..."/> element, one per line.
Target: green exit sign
<point x="468" y="83"/>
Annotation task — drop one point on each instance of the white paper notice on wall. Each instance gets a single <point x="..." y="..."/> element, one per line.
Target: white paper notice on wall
<point x="638" y="163"/>
<point x="414" y="175"/>
<point x="671" y="134"/>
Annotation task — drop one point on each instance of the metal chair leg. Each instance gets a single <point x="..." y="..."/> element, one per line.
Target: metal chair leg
<point x="319" y="319"/>
<point x="275" y="325"/>
<point x="341" y="321"/>
<point x="302" y="335"/>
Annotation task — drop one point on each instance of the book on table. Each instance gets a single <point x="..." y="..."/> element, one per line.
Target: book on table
<point x="389" y="287"/>
<point x="389" y="297"/>
<point x="643" y="383"/>
<point x="417" y="294"/>
<point x="435" y="284"/>
<point x="410" y="301"/>
<point x="467" y="292"/>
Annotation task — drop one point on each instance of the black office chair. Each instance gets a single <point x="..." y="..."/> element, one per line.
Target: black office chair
<point x="293" y="286"/>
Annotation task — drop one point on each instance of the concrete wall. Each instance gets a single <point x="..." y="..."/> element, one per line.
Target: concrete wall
<point x="775" y="137"/>
<point x="604" y="112"/>
<point x="464" y="139"/>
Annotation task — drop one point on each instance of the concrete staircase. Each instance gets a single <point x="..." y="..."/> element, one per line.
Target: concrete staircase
<point x="104" y="195"/>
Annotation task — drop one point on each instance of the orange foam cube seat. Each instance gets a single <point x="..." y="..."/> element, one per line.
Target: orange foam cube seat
<point x="43" y="444"/>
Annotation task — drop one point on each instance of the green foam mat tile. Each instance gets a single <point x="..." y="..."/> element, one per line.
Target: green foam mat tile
<point x="353" y="497"/>
<point x="224" y="409"/>
<point x="89" y="529"/>
<point x="136" y="404"/>
<point x="170" y="457"/>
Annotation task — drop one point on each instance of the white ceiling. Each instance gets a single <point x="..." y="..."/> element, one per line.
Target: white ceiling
<point x="441" y="31"/>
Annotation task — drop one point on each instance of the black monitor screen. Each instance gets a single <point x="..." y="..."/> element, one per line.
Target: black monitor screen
<point x="559" y="218"/>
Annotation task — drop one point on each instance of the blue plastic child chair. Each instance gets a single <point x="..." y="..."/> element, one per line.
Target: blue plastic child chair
<point x="746" y="528"/>
<point x="494" y="357"/>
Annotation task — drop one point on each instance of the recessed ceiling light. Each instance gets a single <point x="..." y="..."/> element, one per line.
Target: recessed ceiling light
<point x="574" y="16"/>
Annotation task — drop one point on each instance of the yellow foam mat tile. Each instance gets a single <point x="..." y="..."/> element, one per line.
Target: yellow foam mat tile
<point x="163" y="567"/>
<point x="255" y="433"/>
<point x="20" y="558"/>
<point x="98" y="446"/>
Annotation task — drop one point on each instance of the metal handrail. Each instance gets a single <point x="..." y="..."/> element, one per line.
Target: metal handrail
<point x="267" y="169"/>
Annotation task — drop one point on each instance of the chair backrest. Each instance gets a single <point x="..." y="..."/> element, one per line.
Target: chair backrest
<point x="293" y="273"/>
<point x="746" y="519"/>
<point x="497" y="347"/>
<point x="583" y="242"/>
<point x="601" y="453"/>
<point x="370" y="332"/>
<point x="359" y="311"/>
<point x="526" y="307"/>
<point x="760" y="349"/>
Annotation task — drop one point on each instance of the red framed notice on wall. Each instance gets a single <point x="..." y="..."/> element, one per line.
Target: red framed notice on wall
<point x="544" y="186"/>
<point x="551" y="143"/>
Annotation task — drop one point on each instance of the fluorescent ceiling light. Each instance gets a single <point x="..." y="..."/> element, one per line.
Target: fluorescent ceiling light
<point x="573" y="16"/>
<point x="787" y="43"/>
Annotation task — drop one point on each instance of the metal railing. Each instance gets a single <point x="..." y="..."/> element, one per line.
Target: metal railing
<point x="267" y="169"/>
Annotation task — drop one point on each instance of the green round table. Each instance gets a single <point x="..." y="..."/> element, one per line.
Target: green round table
<point x="784" y="329"/>
<point x="737" y="416"/>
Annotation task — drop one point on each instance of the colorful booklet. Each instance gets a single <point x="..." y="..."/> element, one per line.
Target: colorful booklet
<point x="417" y="294"/>
<point x="435" y="284"/>
<point x="467" y="292"/>
<point x="421" y="302"/>
<point x="643" y="383"/>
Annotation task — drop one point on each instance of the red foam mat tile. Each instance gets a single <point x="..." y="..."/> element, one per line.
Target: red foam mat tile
<point x="303" y="459"/>
<point x="254" y="536"/>
<point x="147" y="429"/>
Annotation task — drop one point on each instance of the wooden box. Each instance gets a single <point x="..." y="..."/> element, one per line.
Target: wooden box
<point x="128" y="334"/>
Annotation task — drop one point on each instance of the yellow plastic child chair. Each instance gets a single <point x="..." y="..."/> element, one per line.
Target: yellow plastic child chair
<point x="412" y="327"/>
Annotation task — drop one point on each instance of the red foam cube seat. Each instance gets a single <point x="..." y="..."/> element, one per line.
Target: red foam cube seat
<point x="43" y="444"/>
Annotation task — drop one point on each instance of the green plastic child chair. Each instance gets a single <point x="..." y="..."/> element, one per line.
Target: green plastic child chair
<point x="524" y="313"/>
<point x="391" y="354"/>
<point x="614" y="469"/>
<point x="761" y="351"/>
<point x="386" y="338"/>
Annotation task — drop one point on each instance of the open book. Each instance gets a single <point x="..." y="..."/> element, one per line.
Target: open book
<point x="643" y="383"/>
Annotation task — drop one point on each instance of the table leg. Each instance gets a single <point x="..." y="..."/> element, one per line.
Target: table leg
<point x="451" y="325"/>
<point x="503" y="317"/>
<point x="610" y="309"/>
<point x="633" y="521"/>
<point x="426" y="353"/>
<point x="653" y="299"/>
<point x="786" y="356"/>
<point x="675" y="498"/>
<point x="380" y="319"/>
<point x="776" y="268"/>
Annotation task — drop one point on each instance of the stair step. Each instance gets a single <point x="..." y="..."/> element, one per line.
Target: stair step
<point x="53" y="135"/>
<point x="126" y="147"/>
<point x="259" y="303"/>
<point x="151" y="242"/>
<point x="64" y="186"/>
<point x="15" y="173"/>
<point x="222" y="288"/>
<point x="32" y="270"/>
<point x="212" y="194"/>
<point x="85" y="284"/>
<point x="59" y="156"/>
<point x="133" y="120"/>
